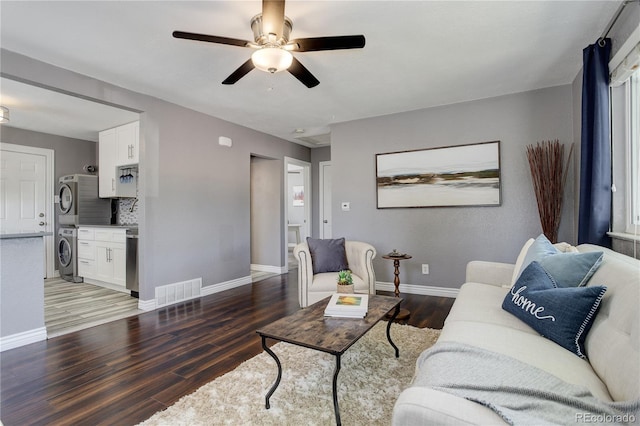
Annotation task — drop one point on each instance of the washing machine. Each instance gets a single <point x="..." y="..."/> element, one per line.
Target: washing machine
<point x="67" y="252"/>
<point x="79" y="202"/>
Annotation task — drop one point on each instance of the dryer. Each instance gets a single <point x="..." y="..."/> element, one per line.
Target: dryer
<point x="67" y="253"/>
<point x="79" y="202"/>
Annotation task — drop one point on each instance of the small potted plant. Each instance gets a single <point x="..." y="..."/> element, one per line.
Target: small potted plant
<point x="345" y="282"/>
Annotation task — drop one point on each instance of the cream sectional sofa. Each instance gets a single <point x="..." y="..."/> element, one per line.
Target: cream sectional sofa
<point x="611" y="372"/>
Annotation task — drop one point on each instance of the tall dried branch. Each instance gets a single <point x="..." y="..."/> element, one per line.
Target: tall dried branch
<point x="549" y="175"/>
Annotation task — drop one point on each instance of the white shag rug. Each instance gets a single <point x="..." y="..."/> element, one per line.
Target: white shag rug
<point x="370" y="380"/>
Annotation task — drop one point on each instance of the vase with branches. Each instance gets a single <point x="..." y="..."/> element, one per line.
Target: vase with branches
<point x="549" y="175"/>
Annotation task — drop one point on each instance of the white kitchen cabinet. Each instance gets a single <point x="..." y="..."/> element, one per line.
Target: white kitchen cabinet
<point x="127" y="138"/>
<point x="118" y="147"/>
<point x="102" y="256"/>
<point x="107" y="163"/>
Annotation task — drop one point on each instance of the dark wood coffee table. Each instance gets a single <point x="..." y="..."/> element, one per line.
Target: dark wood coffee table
<point x="309" y="328"/>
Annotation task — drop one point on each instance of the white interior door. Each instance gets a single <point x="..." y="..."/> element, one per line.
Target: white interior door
<point x="24" y="194"/>
<point x="325" y="199"/>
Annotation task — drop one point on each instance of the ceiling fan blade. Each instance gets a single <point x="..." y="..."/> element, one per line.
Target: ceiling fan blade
<point x="327" y="43"/>
<point x="273" y="17"/>
<point x="211" y="38"/>
<point x="240" y="72"/>
<point x="301" y="73"/>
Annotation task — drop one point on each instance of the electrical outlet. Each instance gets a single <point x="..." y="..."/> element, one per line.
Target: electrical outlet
<point x="425" y="268"/>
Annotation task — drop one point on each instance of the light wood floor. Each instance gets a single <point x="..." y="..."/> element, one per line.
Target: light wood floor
<point x="71" y="307"/>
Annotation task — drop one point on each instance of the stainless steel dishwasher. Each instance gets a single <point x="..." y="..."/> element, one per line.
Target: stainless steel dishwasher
<point x="132" y="261"/>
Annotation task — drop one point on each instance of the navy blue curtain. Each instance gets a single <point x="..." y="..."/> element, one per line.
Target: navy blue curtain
<point x="595" y="161"/>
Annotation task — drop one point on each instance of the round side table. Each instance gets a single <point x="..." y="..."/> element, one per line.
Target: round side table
<point x="404" y="313"/>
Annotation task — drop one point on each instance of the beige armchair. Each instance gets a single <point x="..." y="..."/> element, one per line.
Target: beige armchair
<point x="312" y="288"/>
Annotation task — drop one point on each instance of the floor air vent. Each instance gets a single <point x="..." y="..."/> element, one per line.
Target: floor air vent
<point x="178" y="292"/>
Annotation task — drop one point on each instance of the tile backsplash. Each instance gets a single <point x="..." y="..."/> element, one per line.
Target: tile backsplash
<point x="127" y="211"/>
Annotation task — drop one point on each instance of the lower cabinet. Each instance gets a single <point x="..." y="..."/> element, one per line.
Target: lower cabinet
<point x="102" y="256"/>
<point x="111" y="262"/>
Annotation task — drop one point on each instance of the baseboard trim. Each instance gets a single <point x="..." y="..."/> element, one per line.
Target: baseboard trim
<point x="227" y="285"/>
<point x="269" y="268"/>
<point x="147" y="305"/>
<point x="424" y="290"/>
<point x="150" y="305"/>
<point x="25" y="338"/>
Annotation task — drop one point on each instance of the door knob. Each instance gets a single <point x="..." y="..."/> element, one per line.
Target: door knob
<point x="42" y="224"/>
<point x="41" y="215"/>
<point x="325" y="221"/>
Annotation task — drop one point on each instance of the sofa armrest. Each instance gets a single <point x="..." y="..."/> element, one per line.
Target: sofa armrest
<point x="418" y="405"/>
<point x="494" y="273"/>
<point x="305" y="272"/>
<point x="360" y="256"/>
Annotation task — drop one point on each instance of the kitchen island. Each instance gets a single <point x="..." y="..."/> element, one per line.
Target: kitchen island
<point x="21" y="289"/>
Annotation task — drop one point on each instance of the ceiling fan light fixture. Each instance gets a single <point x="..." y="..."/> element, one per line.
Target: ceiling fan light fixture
<point x="4" y="114"/>
<point x="272" y="59"/>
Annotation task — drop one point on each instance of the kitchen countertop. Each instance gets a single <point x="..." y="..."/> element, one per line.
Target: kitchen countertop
<point x="6" y="236"/>
<point x="109" y="226"/>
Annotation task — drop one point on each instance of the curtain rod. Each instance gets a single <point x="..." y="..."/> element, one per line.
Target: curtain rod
<point x="615" y="19"/>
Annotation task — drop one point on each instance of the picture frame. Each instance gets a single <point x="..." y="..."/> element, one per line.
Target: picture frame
<point x="452" y="176"/>
<point x="298" y="196"/>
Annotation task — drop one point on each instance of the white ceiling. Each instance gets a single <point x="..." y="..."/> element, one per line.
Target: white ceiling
<point x="47" y="111"/>
<point x="418" y="54"/>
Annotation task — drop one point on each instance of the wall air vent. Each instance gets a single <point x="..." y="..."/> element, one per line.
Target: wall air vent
<point x="178" y="292"/>
<point x="316" y="140"/>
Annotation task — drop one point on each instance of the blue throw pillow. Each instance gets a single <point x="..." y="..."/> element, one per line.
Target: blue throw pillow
<point x="563" y="315"/>
<point x="572" y="269"/>
<point x="567" y="269"/>
<point x="327" y="255"/>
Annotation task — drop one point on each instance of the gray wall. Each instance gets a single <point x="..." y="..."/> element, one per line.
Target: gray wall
<point x="448" y="238"/>
<point x="194" y="209"/>
<point x="21" y="293"/>
<point x="266" y="222"/>
<point x="317" y="155"/>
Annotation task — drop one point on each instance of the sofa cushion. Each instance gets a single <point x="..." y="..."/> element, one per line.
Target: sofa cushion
<point x="327" y="255"/>
<point x="563" y="315"/>
<point x="563" y="262"/>
<point x="483" y="303"/>
<point x="327" y="281"/>
<point x="527" y="347"/>
<point x="613" y="344"/>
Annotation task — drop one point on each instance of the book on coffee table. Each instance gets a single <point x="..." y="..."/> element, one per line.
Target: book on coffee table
<point x="347" y="305"/>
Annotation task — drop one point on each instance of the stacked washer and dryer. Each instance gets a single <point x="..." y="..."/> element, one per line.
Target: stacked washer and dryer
<point x="79" y="205"/>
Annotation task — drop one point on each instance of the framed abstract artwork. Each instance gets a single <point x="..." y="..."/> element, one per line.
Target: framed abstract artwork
<point x="453" y="176"/>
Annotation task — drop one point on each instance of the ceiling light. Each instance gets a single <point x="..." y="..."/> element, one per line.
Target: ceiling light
<point x="4" y="114"/>
<point x="272" y="59"/>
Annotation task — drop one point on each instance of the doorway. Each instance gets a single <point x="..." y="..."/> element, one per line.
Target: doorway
<point x="72" y="137"/>
<point x="297" y="206"/>
<point x="265" y="217"/>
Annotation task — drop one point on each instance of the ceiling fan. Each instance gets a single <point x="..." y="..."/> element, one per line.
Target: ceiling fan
<point x="272" y="46"/>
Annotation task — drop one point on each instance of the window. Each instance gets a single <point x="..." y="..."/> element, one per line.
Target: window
<point x="633" y="150"/>
<point x="625" y="132"/>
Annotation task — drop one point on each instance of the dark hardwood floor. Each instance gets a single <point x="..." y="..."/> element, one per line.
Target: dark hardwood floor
<point x="125" y="371"/>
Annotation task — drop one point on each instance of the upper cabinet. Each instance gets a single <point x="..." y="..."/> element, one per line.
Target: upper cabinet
<point x="118" y="147"/>
<point x="127" y="138"/>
